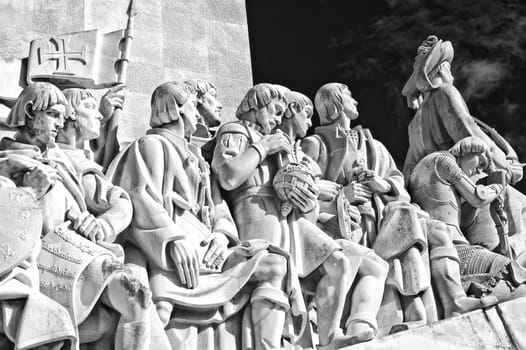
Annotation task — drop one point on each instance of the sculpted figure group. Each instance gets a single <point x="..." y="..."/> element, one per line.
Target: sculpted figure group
<point x="249" y="234"/>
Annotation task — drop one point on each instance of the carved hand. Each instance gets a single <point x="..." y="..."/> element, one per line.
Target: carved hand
<point x="113" y="98"/>
<point x="304" y="198"/>
<point x="275" y="142"/>
<point x="89" y="226"/>
<point x="186" y="260"/>
<point x="357" y="193"/>
<point x="217" y="249"/>
<point x="40" y="178"/>
<point x="374" y="182"/>
<point x="328" y="190"/>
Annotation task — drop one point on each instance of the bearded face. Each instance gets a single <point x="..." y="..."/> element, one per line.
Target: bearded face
<point x="209" y="108"/>
<point x="269" y="117"/>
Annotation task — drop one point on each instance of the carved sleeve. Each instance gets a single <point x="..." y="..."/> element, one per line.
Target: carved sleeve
<point x="109" y="203"/>
<point x="447" y="168"/>
<point x="229" y="145"/>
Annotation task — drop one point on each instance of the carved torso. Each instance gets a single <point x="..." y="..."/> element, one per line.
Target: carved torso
<point x="432" y="187"/>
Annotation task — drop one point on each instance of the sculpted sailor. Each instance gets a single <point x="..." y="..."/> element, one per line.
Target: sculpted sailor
<point x="442" y="119"/>
<point x="364" y="168"/>
<point x="439" y="182"/>
<point x="210" y="291"/>
<point x="246" y="161"/>
<point x="80" y="222"/>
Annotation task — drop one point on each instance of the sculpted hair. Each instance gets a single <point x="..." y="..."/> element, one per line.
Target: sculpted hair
<point x="74" y="97"/>
<point x="329" y="101"/>
<point x="166" y="100"/>
<point x="200" y="87"/>
<point x="259" y="96"/>
<point x="297" y="102"/>
<point x="36" y="97"/>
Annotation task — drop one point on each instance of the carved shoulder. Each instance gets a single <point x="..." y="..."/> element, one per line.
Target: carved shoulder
<point x="233" y="128"/>
<point x="311" y="146"/>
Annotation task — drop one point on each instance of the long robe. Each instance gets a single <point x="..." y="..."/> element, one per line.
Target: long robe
<point x="173" y="198"/>
<point x="63" y="278"/>
<point x="443" y="120"/>
<point x="336" y="156"/>
<point x="29" y="318"/>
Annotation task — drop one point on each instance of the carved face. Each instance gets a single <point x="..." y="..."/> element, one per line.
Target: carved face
<point x="471" y="163"/>
<point x="209" y="108"/>
<point x="46" y="123"/>
<point x="270" y="116"/>
<point x="301" y="122"/>
<point x="350" y="105"/>
<point x="88" y="119"/>
<point x="190" y="115"/>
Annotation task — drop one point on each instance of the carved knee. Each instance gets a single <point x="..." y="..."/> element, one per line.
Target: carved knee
<point x="337" y="265"/>
<point x="272" y="267"/>
<point x="373" y="265"/>
<point x="164" y="310"/>
<point x="129" y="296"/>
<point x="438" y="235"/>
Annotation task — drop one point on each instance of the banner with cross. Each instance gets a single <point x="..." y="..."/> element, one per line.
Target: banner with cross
<point x="85" y="59"/>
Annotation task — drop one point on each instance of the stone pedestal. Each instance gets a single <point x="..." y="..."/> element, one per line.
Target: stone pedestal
<point x="500" y="327"/>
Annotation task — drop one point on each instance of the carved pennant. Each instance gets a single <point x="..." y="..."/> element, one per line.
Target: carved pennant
<point x="60" y="55"/>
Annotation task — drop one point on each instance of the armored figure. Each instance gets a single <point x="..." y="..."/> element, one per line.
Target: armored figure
<point x="78" y="263"/>
<point x="439" y="182"/>
<point x="442" y="119"/>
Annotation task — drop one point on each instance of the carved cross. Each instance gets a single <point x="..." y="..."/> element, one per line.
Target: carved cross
<point x="61" y="55"/>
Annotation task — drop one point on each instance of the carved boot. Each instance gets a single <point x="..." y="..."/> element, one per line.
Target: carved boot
<point x="445" y="272"/>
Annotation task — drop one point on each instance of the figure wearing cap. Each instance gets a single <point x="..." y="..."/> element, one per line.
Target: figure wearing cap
<point x="442" y="118"/>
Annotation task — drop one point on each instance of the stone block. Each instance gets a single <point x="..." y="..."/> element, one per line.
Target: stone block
<point x="15" y="42"/>
<point x="177" y="54"/>
<point x="230" y="11"/>
<point x="513" y="315"/>
<point x="143" y="78"/>
<point x="11" y="10"/>
<point x="500" y="327"/>
<point x="147" y="48"/>
<point x="190" y="7"/>
<point x="233" y="37"/>
<point x="57" y="17"/>
<point x="181" y="26"/>
<point x="106" y="16"/>
<point x="230" y="64"/>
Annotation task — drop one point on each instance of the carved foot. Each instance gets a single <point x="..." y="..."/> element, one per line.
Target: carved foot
<point x="467" y="304"/>
<point x="341" y="341"/>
